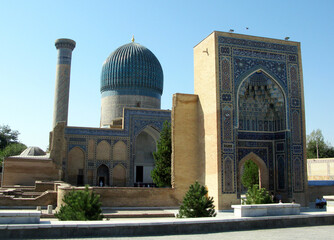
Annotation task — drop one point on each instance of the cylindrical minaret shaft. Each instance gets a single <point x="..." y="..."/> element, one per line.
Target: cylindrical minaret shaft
<point x="62" y="90"/>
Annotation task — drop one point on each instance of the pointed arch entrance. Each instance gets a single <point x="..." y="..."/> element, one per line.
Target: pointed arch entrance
<point x="103" y="175"/>
<point x="263" y="170"/>
<point x="145" y="145"/>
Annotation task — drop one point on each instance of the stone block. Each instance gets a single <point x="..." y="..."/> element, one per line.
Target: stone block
<point x="256" y="210"/>
<point x="18" y="217"/>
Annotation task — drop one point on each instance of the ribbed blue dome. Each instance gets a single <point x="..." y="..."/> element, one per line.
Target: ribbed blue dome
<point x="132" y="69"/>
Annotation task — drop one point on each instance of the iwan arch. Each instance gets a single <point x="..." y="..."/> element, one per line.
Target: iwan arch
<point x="248" y="105"/>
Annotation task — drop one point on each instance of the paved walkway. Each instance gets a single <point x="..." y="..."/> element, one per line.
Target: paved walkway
<point x="313" y="233"/>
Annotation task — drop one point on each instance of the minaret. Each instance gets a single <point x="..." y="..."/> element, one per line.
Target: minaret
<point x="62" y="90"/>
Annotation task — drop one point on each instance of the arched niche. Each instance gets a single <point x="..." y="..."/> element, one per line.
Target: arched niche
<point x="103" y="151"/>
<point x="261" y="104"/>
<point x="75" y="166"/>
<point x="120" y="152"/>
<point x="146" y="143"/>
<point x="119" y="176"/>
<point x="263" y="170"/>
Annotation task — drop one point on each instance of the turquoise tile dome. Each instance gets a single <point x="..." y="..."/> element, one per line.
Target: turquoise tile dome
<point x="132" y="69"/>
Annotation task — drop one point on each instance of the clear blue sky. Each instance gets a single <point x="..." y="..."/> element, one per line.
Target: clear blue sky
<point x="170" y="29"/>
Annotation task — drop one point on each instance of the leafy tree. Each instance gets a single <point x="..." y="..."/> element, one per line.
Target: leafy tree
<point x="250" y="175"/>
<point x="80" y="205"/>
<point x="7" y="136"/>
<point x="12" y="150"/>
<point x="256" y="195"/>
<point x="161" y="174"/>
<point x="197" y="203"/>
<point x="9" y="144"/>
<point x="316" y="142"/>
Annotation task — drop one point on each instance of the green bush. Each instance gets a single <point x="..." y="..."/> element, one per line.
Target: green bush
<point x="196" y="203"/>
<point x="256" y="195"/>
<point x="80" y="205"/>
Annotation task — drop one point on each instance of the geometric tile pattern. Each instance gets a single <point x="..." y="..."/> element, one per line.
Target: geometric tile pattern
<point x="276" y="137"/>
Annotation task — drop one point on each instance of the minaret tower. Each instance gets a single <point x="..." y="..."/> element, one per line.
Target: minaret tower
<point x="62" y="90"/>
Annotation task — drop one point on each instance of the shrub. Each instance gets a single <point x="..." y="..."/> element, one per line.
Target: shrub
<point x="80" y="205"/>
<point x="196" y="203"/>
<point x="256" y="195"/>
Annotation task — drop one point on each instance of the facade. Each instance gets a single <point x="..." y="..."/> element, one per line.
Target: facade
<point x="250" y="107"/>
<point x="115" y="156"/>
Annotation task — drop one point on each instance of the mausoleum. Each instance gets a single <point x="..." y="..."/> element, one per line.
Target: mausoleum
<point x="248" y="104"/>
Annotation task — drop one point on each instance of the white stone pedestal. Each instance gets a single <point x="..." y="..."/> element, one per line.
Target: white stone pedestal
<point x="256" y="210"/>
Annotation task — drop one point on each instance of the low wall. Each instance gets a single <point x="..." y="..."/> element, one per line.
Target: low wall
<point x="19" y="217"/>
<point x="47" y="198"/>
<point x="129" y="197"/>
<point x="41" y="186"/>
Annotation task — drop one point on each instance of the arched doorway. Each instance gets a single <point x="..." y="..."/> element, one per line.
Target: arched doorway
<point x="263" y="170"/>
<point x="146" y="142"/>
<point x="103" y="176"/>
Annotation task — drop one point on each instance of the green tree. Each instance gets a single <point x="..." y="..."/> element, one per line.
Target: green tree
<point x="250" y="175"/>
<point x="197" y="203"/>
<point x="9" y="144"/>
<point x="12" y="150"/>
<point x="316" y="146"/>
<point x="161" y="174"/>
<point x="80" y="205"/>
<point x="256" y="195"/>
<point x="7" y="136"/>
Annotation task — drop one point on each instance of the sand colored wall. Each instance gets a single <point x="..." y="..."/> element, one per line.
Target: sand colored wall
<point x="47" y="198"/>
<point x="129" y="197"/>
<point x="320" y="169"/>
<point x="25" y="171"/>
<point x="205" y="73"/>
<point x="58" y="146"/>
<point x="187" y="164"/>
